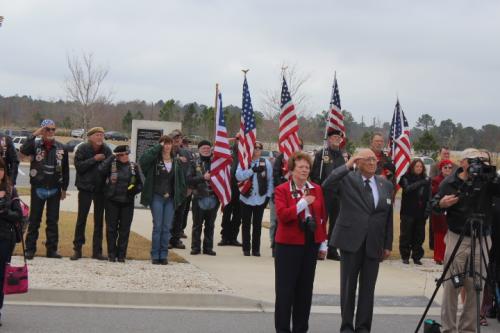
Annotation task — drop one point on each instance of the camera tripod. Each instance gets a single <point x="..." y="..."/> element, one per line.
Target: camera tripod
<point x="475" y="224"/>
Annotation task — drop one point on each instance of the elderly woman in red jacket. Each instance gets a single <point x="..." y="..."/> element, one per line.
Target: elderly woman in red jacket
<point x="300" y="235"/>
<point x="438" y="221"/>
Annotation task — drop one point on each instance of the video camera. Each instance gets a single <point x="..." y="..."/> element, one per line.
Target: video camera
<point x="480" y="174"/>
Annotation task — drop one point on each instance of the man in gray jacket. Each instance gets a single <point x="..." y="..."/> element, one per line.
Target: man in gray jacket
<point x="363" y="233"/>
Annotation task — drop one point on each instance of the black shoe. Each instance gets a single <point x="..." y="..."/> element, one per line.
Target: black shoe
<point x="223" y="243"/>
<point x="179" y="245"/>
<point x="417" y="262"/>
<point x="234" y="243"/>
<point x="29" y="255"/>
<point x="170" y="246"/>
<point x="406" y="261"/>
<point x="54" y="255"/>
<point x="256" y="254"/>
<point x="77" y="254"/>
<point x="112" y="259"/>
<point x="209" y="252"/>
<point x="155" y="261"/>
<point x="122" y="260"/>
<point x="246" y="253"/>
<point x="164" y="262"/>
<point x="183" y="235"/>
<point x="333" y="255"/>
<point x="195" y="252"/>
<point x="99" y="257"/>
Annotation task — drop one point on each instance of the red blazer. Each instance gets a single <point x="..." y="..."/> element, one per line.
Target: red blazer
<point x="288" y="230"/>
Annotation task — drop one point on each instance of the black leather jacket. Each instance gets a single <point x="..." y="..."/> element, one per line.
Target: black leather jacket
<point x="88" y="177"/>
<point x="331" y="161"/>
<point x="49" y="169"/>
<point x="10" y="213"/>
<point x="128" y="181"/>
<point x="195" y="180"/>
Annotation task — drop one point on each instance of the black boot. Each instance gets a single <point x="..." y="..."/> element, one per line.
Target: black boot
<point x="77" y="254"/>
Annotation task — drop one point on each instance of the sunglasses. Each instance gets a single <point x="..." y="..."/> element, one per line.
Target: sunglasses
<point x="258" y="148"/>
<point x="122" y="154"/>
<point x="50" y="129"/>
<point x="448" y="167"/>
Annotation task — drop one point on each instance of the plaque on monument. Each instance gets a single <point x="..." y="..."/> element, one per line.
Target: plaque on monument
<point x="146" y="138"/>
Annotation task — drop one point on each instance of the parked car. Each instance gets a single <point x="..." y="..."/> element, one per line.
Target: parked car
<point x="269" y="155"/>
<point x="77" y="133"/>
<point x="13" y="133"/>
<point x="117" y="136"/>
<point x="71" y="144"/>
<point x="428" y="162"/>
<point x="18" y="141"/>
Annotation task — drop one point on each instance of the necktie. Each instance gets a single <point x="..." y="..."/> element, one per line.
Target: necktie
<point x="369" y="193"/>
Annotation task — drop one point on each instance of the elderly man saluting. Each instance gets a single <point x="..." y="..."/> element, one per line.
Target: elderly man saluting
<point x="362" y="232"/>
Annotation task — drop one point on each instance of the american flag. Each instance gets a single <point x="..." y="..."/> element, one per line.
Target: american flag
<point x="248" y="134"/>
<point x="220" y="169"/>
<point x="335" y="118"/>
<point x="399" y="141"/>
<point x="289" y="126"/>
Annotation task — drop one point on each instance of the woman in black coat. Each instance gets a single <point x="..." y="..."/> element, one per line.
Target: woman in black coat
<point x="416" y="196"/>
<point x="10" y="214"/>
<point x="123" y="182"/>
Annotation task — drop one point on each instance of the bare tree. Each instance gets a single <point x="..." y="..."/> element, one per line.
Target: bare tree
<point x="84" y="86"/>
<point x="295" y="80"/>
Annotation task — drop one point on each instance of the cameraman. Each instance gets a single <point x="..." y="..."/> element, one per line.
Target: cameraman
<point x="460" y="195"/>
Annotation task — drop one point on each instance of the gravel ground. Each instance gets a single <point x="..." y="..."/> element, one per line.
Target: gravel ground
<point x="134" y="275"/>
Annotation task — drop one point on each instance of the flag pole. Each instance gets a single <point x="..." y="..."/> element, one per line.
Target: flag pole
<point x="325" y="138"/>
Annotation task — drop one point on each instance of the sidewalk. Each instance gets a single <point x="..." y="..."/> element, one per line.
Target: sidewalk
<point x="253" y="277"/>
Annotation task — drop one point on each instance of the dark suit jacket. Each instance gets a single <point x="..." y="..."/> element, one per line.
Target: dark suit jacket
<point x="357" y="220"/>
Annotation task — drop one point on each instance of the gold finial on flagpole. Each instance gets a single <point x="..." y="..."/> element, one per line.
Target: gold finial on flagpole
<point x="283" y="69"/>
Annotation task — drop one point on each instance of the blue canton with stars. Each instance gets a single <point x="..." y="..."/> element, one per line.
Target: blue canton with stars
<point x="247" y="111"/>
<point x="285" y="94"/>
<point x="335" y="96"/>
<point x="221" y="112"/>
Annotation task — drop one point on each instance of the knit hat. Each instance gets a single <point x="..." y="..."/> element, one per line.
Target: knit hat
<point x="443" y="163"/>
<point x="204" y="143"/>
<point x="95" y="130"/>
<point x="121" y="149"/>
<point x="333" y="131"/>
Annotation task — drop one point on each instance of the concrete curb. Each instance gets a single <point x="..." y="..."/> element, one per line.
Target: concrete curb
<point x="137" y="299"/>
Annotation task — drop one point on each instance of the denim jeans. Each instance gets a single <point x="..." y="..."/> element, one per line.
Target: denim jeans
<point x="162" y="210"/>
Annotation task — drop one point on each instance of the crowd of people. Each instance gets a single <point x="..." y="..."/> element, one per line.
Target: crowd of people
<point x="327" y="206"/>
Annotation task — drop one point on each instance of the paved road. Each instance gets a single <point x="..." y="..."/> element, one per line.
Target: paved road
<point x="38" y="319"/>
<point x="23" y="178"/>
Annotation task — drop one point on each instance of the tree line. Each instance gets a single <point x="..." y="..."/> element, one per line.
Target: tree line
<point x="197" y="119"/>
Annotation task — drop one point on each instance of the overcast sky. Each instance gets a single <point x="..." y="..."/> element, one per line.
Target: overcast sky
<point x="440" y="57"/>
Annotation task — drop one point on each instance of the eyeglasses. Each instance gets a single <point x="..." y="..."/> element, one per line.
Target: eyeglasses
<point x="50" y="129"/>
<point x="448" y="167"/>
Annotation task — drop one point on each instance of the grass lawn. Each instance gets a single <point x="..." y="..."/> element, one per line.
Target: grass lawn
<point x="138" y="246"/>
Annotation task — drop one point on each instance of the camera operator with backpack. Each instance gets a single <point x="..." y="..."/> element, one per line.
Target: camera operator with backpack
<point x="466" y="197"/>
